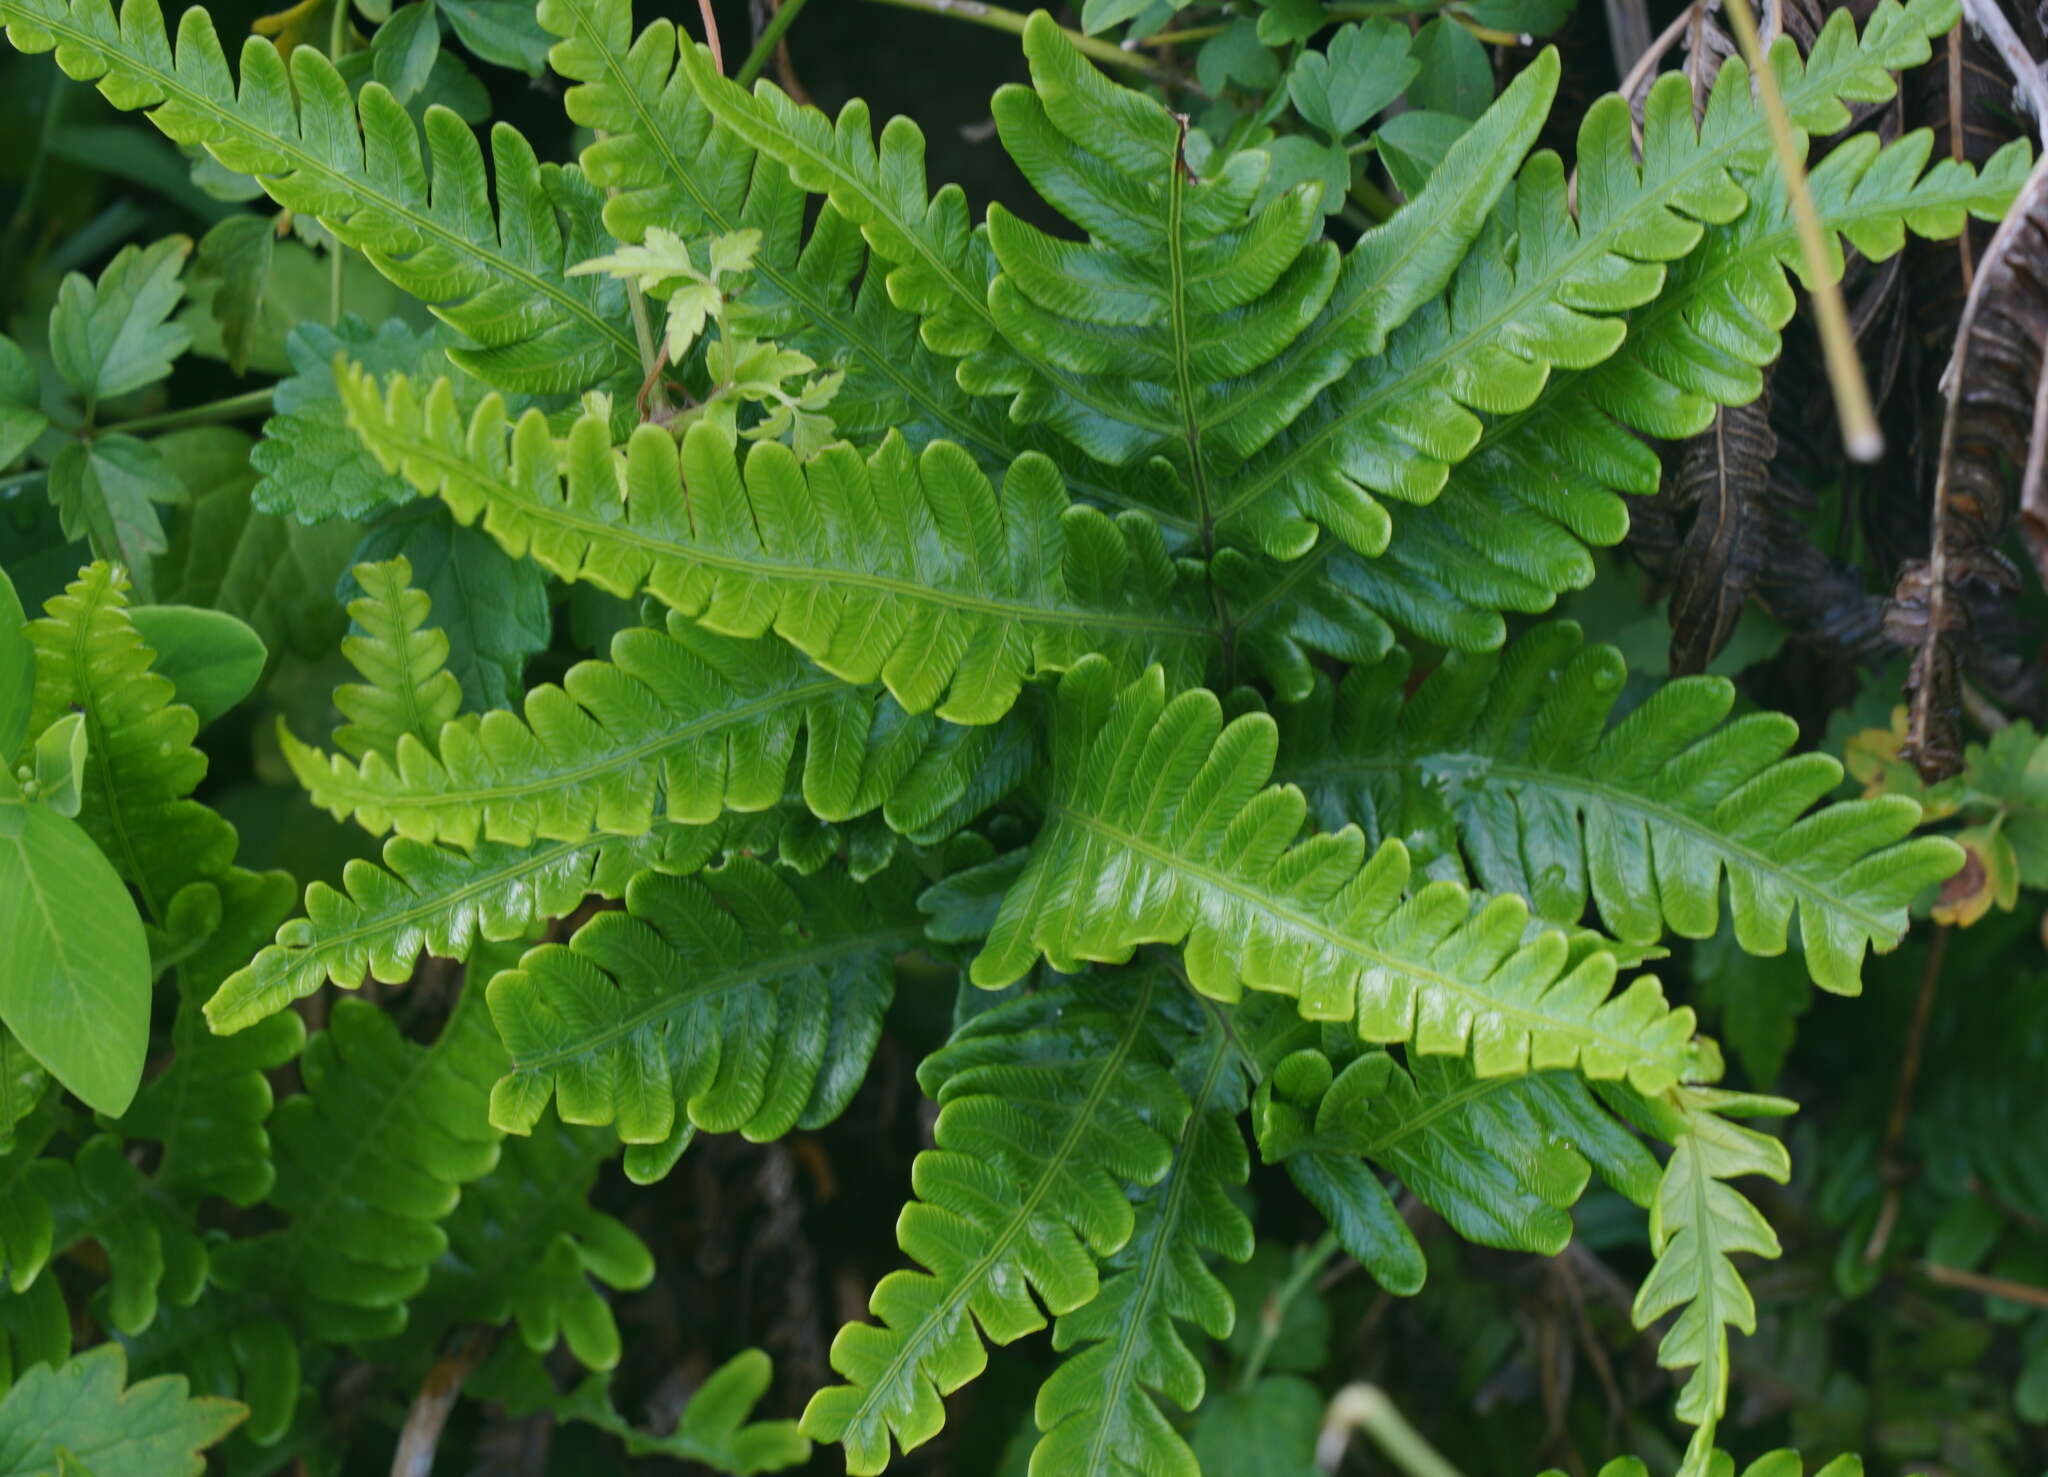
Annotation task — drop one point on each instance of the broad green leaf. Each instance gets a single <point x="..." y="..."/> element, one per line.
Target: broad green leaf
<point x="106" y="491"/>
<point x="505" y="33"/>
<point x="212" y="659"/>
<point x="1269" y="1429"/>
<point x="21" y="402"/>
<point x="235" y="257"/>
<point x="403" y="51"/>
<point x="17" y="673"/>
<point x="1455" y="77"/>
<point x="80" y="1416"/>
<point x="1365" y="67"/>
<point x="60" y="765"/>
<point x="113" y="336"/>
<point x="75" y="992"/>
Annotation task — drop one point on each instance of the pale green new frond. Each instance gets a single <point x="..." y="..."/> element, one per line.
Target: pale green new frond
<point x="408" y="688"/>
<point x="1510" y="762"/>
<point x="1698" y="1221"/>
<point x="1097" y="1410"/>
<point x="427" y="899"/>
<point x="1161" y="828"/>
<point x="910" y="569"/>
<point x="1049" y="1107"/>
<point x="1782" y="1463"/>
<point x="141" y="766"/>
<point x="359" y="166"/>
<point x="681" y="726"/>
<point x="1393" y="428"/>
<point x="742" y="1000"/>
<point x="371" y="1158"/>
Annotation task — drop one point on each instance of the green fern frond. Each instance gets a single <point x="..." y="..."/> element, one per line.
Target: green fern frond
<point x="1511" y="527"/>
<point x="1183" y="327"/>
<point x="1097" y="1410"/>
<point x="1697" y="1223"/>
<point x="152" y="1251"/>
<point x="908" y="569"/>
<point x="408" y="688"/>
<point x="1394" y="427"/>
<point x="524" y="1246"/>
<point x="359" y="166"/>
<point x="1782" y="1463"/>
<point x="371" y="1159"/>
<point x="1049" y="1106"/>
<point x="141" y="767"/>
<point x="740" y="1000"/>
<point x="679" y="726"/>
<point x="427" y="899"/>
<point x="1509" y="762"/>
<point x="231" y="1344"/>
<point x="715" y="1430"/>
<point x="1161" y="829"/>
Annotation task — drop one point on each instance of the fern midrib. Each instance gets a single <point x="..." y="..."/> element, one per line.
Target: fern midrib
<point x="1183" y="369"/>
<point x="1121" y="1381"/>
<point x="598" y="533"/>
<point x="1477" y="1088"/>
<point x="404" y="634"/>
<point x="1709" y="1256"/>
<point x="1069" y="1144"/>
<point x="1537" y="1024"/>
<point x="1475" y="765"/>
<point x="1705" y="158"/>
<point x="173" y="86"/>
<point x="747" y="973"/>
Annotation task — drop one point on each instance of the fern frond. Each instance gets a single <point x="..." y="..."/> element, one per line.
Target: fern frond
<point x="739" y="1000"/>
<point x="1097" y="1410"/>
<point x="1697" y="1223"/>
<point x="1394" y="427"/>
<point x="1161" y="829"/>
<point x="524" y="1246"/>
<point x="408" y="687"/>
<point x="359" y="166"/>
<point x="1049" y="1106"/>
<point x="1183" y="327"/>
<point x="679" y="726"/>
<point x="371" y="1158"/>
<point x="1511" y="527"/>
<point x="151" y="1250"/>
<point x="908" y="569"/>
<point x="1501" y="1159"/>
<point x="427" y="899"/>
<point x="1782" y="1463"/>
<point x="715" y="1429"/>
<point x="1510" y="762"/>
<point x="141" y="766"/>
<point x="230" y="1344"/>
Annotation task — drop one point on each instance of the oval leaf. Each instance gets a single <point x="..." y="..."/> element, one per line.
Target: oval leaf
<point x="17" y="671"/>
<point x="212" y="659"/>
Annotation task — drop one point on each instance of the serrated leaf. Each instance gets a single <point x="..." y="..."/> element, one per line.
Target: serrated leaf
<point x="235" y="257"/>
<point x="113" y="336"/>
<point x="106" y="490"/>
<point x="21" y="396"/>
<point x="1364" y="67"/>
<point x="150" y="1429"/>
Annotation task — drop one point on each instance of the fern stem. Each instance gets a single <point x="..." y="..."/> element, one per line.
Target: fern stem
<point x="996" y="18"/>
<point x="1273" y="1316"/>
<point x="1366" y="1408"/>
<point x="1860" y="435"/>
<point x="771" y="37"/>
<point x="233" y="408"/>
<point x="1998" y="1287"/>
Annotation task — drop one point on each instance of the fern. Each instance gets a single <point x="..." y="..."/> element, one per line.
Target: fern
<point x="409" y="689"/>
<point x="787" y="982"/>
<point x="360" y="168"/>
<point x="679" y="726"/>
<point x="1160" y="812"/>
<point x="1511" y="763"/>
<point x="832" y="556"/>
<point x="1048" y="1107"/>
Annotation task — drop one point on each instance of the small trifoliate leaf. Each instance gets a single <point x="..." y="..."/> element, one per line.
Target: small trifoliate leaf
<point x="403" y="52"/>
<point x="1236" y="55"/>
<point x="1455" y="76"/>
<point x="113" y="336"/>
<point x="1366" y="67"/>
<point x="21" y="394"/>
<point x="235" y="257"/>
<point x="106" y="491"/>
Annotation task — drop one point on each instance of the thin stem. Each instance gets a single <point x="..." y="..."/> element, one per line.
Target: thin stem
<point x="1902" y="1096"/>
<point x="1998" y="1287"/>
<point x="1654" y="53"/>
<point x="235" y="407"/>
<point x="1366" y="1408"/>
<point x="1990" y="22"/>
<point x="771" y="36"/>
<point x="1860" y="435"/>
<point x="711" y="36"/>
<point x="1306" y="1268"/>
<point x="996" y="18"/>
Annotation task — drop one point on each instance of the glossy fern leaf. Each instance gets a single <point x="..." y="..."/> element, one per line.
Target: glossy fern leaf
<point x="679" y="726"/>
<point x="742" y="1000"/>
<point x="1128" y="1347"/>
<point x="152" y="1252"/>
<point x="1509" y="768"/>
<point x="907" y="568"/>
<point x="421" y="211"/>
<point x="1161" y="828"/>
<point x="427" y="899"/>
<point x="1051" y="1108"/>
<point x="371" y="1158"/>
<point x="406" y="687"/>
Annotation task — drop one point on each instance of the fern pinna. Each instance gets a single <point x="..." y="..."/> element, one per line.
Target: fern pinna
<point x="1109" y="636"/>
